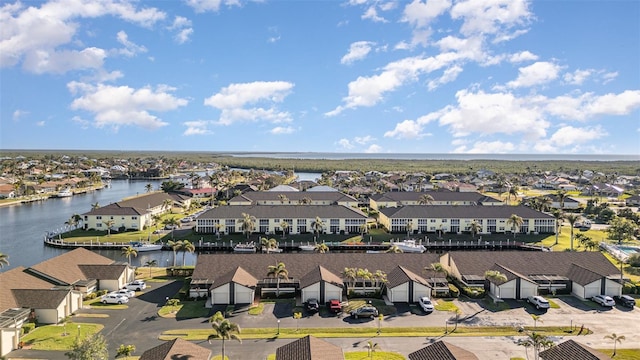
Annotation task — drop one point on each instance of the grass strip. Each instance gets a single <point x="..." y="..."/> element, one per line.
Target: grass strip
<point x="87" y="315"/>
<point x="292" y="333"/>
<point x="59" y="337"/>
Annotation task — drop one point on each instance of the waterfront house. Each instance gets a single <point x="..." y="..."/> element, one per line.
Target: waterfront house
<point x="7" y="191"/>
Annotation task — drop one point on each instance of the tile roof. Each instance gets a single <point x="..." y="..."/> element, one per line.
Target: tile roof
<point x="64" y="269"/>
<point x="531" y="262"/>
<point x="309" y="348"/>
<point x="103" y="272"/>
<point x="239" y="276"/>
<point x="210" y="266"/>
<point x="572" y="350"/>
<point x="442" y="350"/>
<point x="17" y="278"/>
<point x="116" y="209"/>
<point x="177" y="349"/>
<point x="320" y="273"/>
<point x="283" y="211"/>
<point x="40" y="298"/>
<point x="462" y="211"/>
<point x="401" y="275"/>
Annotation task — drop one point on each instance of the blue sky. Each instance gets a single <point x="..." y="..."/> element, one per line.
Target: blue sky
<point x="359" y="76"/>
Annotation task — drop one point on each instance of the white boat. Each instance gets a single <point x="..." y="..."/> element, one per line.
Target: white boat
<point x="307" y="247"/>
<point x="245" y="248"/>
<point x="143" y="247"/>
<point x="409" y="246"/>
<point x="65" y="193"/>
<point x="271" y="250"/>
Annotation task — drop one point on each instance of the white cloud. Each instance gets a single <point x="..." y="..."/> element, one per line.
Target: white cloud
<point x="407" y="129"/>
<point x="357" y="51"/>
<point x="585" y="106"/>
<point x="118" y="106"/>
<point x="577" y="77"/>
<point x="40" y="123"/>
<point x="569" y="137"/>
<point x="363" y="140"/>
<point x="197" y="127"/>
<point x="448" y="76"/>
<point x="420" y="15"/>
<point x="183" y="29"/>
<point x="42" y="38"/>
<point x="84" y="124"/>
<point x="18" y="114"/>
<point x="201" y="6"/>
<point x="372" y="14"/>
<point x="535" y="74"/>
<point x="492" y="17"/>
<point x="280" y="130"/>
<point x="522" y="56"/>
<point x="232" y="100"/>
<point x="373" y="149"/>
<point x="130" y="49"/>
<point x="487" y="147"/>
<point x="608" y="77"/>
<point x="345" y="144"/>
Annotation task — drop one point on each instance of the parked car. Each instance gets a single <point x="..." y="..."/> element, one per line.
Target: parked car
<point x="136" y="285"/>
<point x="170" y="227"/>
<point x="625" y="300"/>
<point x="604" y="300"/>
<point x="312" y="305"/>
<point x="426" y="304"/>
<point x="186" y="220"/>
<point x="364" y="311"/>
<point x="114" y="299"/>
<point x="539" y="302"/>
<point x="126" y="292"/>
<point x="335" y="306"/>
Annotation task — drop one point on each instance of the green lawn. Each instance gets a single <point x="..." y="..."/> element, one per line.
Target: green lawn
<point x="185" y="310"/>
<point x="445" y="305"/>
<point x="363" y="355"/>
<point x="59" y="337"/>
<point x="96" y="304"/>
<point x="256" y="310"/>
<point x="623" y="354"/>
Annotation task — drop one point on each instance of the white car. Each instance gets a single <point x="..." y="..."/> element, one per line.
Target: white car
<point x="126" y="292"/>
<point x="136" y="285"/>
<point x="539" y="302"/>
<point x="604" y="300"/>
<point x="114" y="299"/>
<point x="426" y="304"/>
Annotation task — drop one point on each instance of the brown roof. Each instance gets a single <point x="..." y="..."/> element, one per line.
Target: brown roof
<point x="116" y="209"/>
<point x="441" y="350"/>
<point x="239" y="276"/>
<point x="177" y="349"/>
<point x="572" y="350"/>
<point x="438" y="195"/>
<point x="309" y="348"/>
<point x="530" y="263"/>
<point x="400" y="275"/>
<point x="462" y="212"/>
<point x="211" y="266"/>
<point x="40" y="298"/>
<point x="581" y="275"/>
<point x="320" y="273"/>
<point x="103" y="272"/>
<point x="17" y="278"/>
<point x="283" y="212"/>
<point x="331" y="197"/>
<point x="64" y="269"/>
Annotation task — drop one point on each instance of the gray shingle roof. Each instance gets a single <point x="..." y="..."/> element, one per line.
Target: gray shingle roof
<point x="103" y="272"/>
<point x="283" y="211"/>
<point x="309" y="348"/>
<point x="401" y="275"/>
<point x="331" y="197"/>
<point x="40" y="298"/>
<point x="64" y="269"/>
<point x="320" y="274"/>
<point x="441" y="350"/>
<point x="572" y="350"/>
<point x="239" y="276"/>
<point x="137" y="205"/>
<point x="462" y="211"/>
<point x="177" y="349"/>
<point x="439" y="195"/>
<point x="17" y="278"/>
<point x="582" y="275"/>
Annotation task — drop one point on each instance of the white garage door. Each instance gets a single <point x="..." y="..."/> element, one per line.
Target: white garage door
<point x="244" y="297"/>
<point x="333" y="294"/>
<point x="310" y="294"/>
<point x="220" y="297"/>
<point x="400" y="294"/>
<point x="592" y="290"/>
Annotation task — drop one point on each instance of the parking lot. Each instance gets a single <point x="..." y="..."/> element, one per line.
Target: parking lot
<point x="140" y="325"/>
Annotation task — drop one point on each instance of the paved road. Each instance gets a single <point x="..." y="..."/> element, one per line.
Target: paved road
<point x="139" y="325"/>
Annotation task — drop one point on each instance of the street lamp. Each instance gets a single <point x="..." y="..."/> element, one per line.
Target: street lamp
<point x="278" y="327"/>
<point x="78" y="332"/>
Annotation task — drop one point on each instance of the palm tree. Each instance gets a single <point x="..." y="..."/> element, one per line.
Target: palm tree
<point x="187" y="246"/>
<point x="616" y="339"/>
<point x="171" y="222"/>
<point x="224" y="330"/>
<point x="109" y="224"/>
<point x="363" y="229"/>
<point x="474" y="228"/>
<point x="317" y="225"/>
<point x="513" y="191"/>
<point x="4" y="260"/>
<point x="279" y="271"/>
<point x="95" y="205"/>
<point x="516" y="222"/>
<point x="409" y="226"/>
<point x="268" y="244"/>
<point x="218" y="227"/>
<point x="437" y="268"/>
<point x="371" y="348"/>
<point x="350" y="275"/>
<point x="425" y="199"/>
<point x="168" y="204"/>
<point x="495" y="276"/>
<point x="283" y="198"/>
<point x="150" y="264"/>
<point x="544" y="203"/>
<point x="248" y="224"/>
<point x="559" y="216"/>
<point x="285" y="226"/>
<point x="128" y="252"/>
<point x="148" y="188"/>
<point x="562" y="195"/>
<point x="572" y="219"/>
<point x="175" y="246"/>
<point x="536" y="318"/>
<point x="536" y="341"/>
<point x="394" y="249"/>
<point x="321" y="248"/>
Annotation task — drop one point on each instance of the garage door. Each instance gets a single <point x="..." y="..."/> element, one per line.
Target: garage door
<point x="399" y="294"/>
<point x="310" y="294"/>
<point x="592" y="290"/>
<point x="220" y="297"/>
<point x="333" y="294"/>
<point x="244" y="297"/>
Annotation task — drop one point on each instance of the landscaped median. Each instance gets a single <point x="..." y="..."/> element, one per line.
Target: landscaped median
<point x="349" y="332"/>
<point x="58" y="337"/>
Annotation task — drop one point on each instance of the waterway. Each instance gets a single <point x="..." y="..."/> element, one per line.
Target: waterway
<point x="23" y="227"/>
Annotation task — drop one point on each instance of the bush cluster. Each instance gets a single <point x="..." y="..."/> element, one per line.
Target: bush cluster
<point x="453" y="290"/>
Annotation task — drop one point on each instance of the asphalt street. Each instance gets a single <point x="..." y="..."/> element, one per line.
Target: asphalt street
<point x="140" y="325"/>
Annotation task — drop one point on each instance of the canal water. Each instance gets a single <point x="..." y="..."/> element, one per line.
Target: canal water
<point x="23" y="227"/>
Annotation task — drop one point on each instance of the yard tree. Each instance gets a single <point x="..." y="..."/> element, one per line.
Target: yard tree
<point x="572" y="219"/>
<point x="616" y="339"/>
<point x="321" y="248"/>
<point x="125" y="350"/>
<point x="109" y="224"/>
<point x="516" y="222"/>
<point x="150" y="264"/>
<point x="278" y="271"/>
<point x="187" y="246"/>
<point x="128" y="252"/>
<point x="622" y="229"/>
<point x="90" y="348"/>
<point x="167" y="204"/>
<point x="559" y="216"/>
<point x="425" y="199"/>
<point x="285" y="226"/>
<point x="474" y="228"/>
<point x="175" y="246"/>
<point x="4" y="260"/>
<point x="248" y="224"/>
<point x="317" y="225"/>
<point x="224" y="330"/>
<point x="171" y="222"/>
<point x="537" y="342"/>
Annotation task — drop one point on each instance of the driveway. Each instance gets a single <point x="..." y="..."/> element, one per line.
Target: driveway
<point x="139" y="325"/>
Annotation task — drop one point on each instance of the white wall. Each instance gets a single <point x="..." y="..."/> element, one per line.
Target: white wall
<point x="9" y="339"/>
<point x="220" y="295"/>
<point x="110" y="285"/>
<point x="420" y="290"/>
<point x="399" y="293"/>
<point x="47" y="316"/>
<point x="506" y="291"/>
<point x="311" y="292"/>
<point x="243" y="295"/>
<point x="612" y="288"/>
<point x="528" y="289"/>
<point x="332" y="292"/>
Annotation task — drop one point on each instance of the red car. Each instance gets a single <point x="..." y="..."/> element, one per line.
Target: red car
<point x="335" y="306"/>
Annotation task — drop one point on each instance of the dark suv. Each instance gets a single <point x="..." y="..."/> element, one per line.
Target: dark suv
<point x="365" y="311"/>
<point x="625" y="300"/>
<point x="312" y="305"/>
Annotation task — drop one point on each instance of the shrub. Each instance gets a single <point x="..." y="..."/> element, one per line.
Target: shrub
<point x="634" y="260"/>
<point x="629" y="288"/>
<point x="27" y="327"/>
<point x="453" y="290"/>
